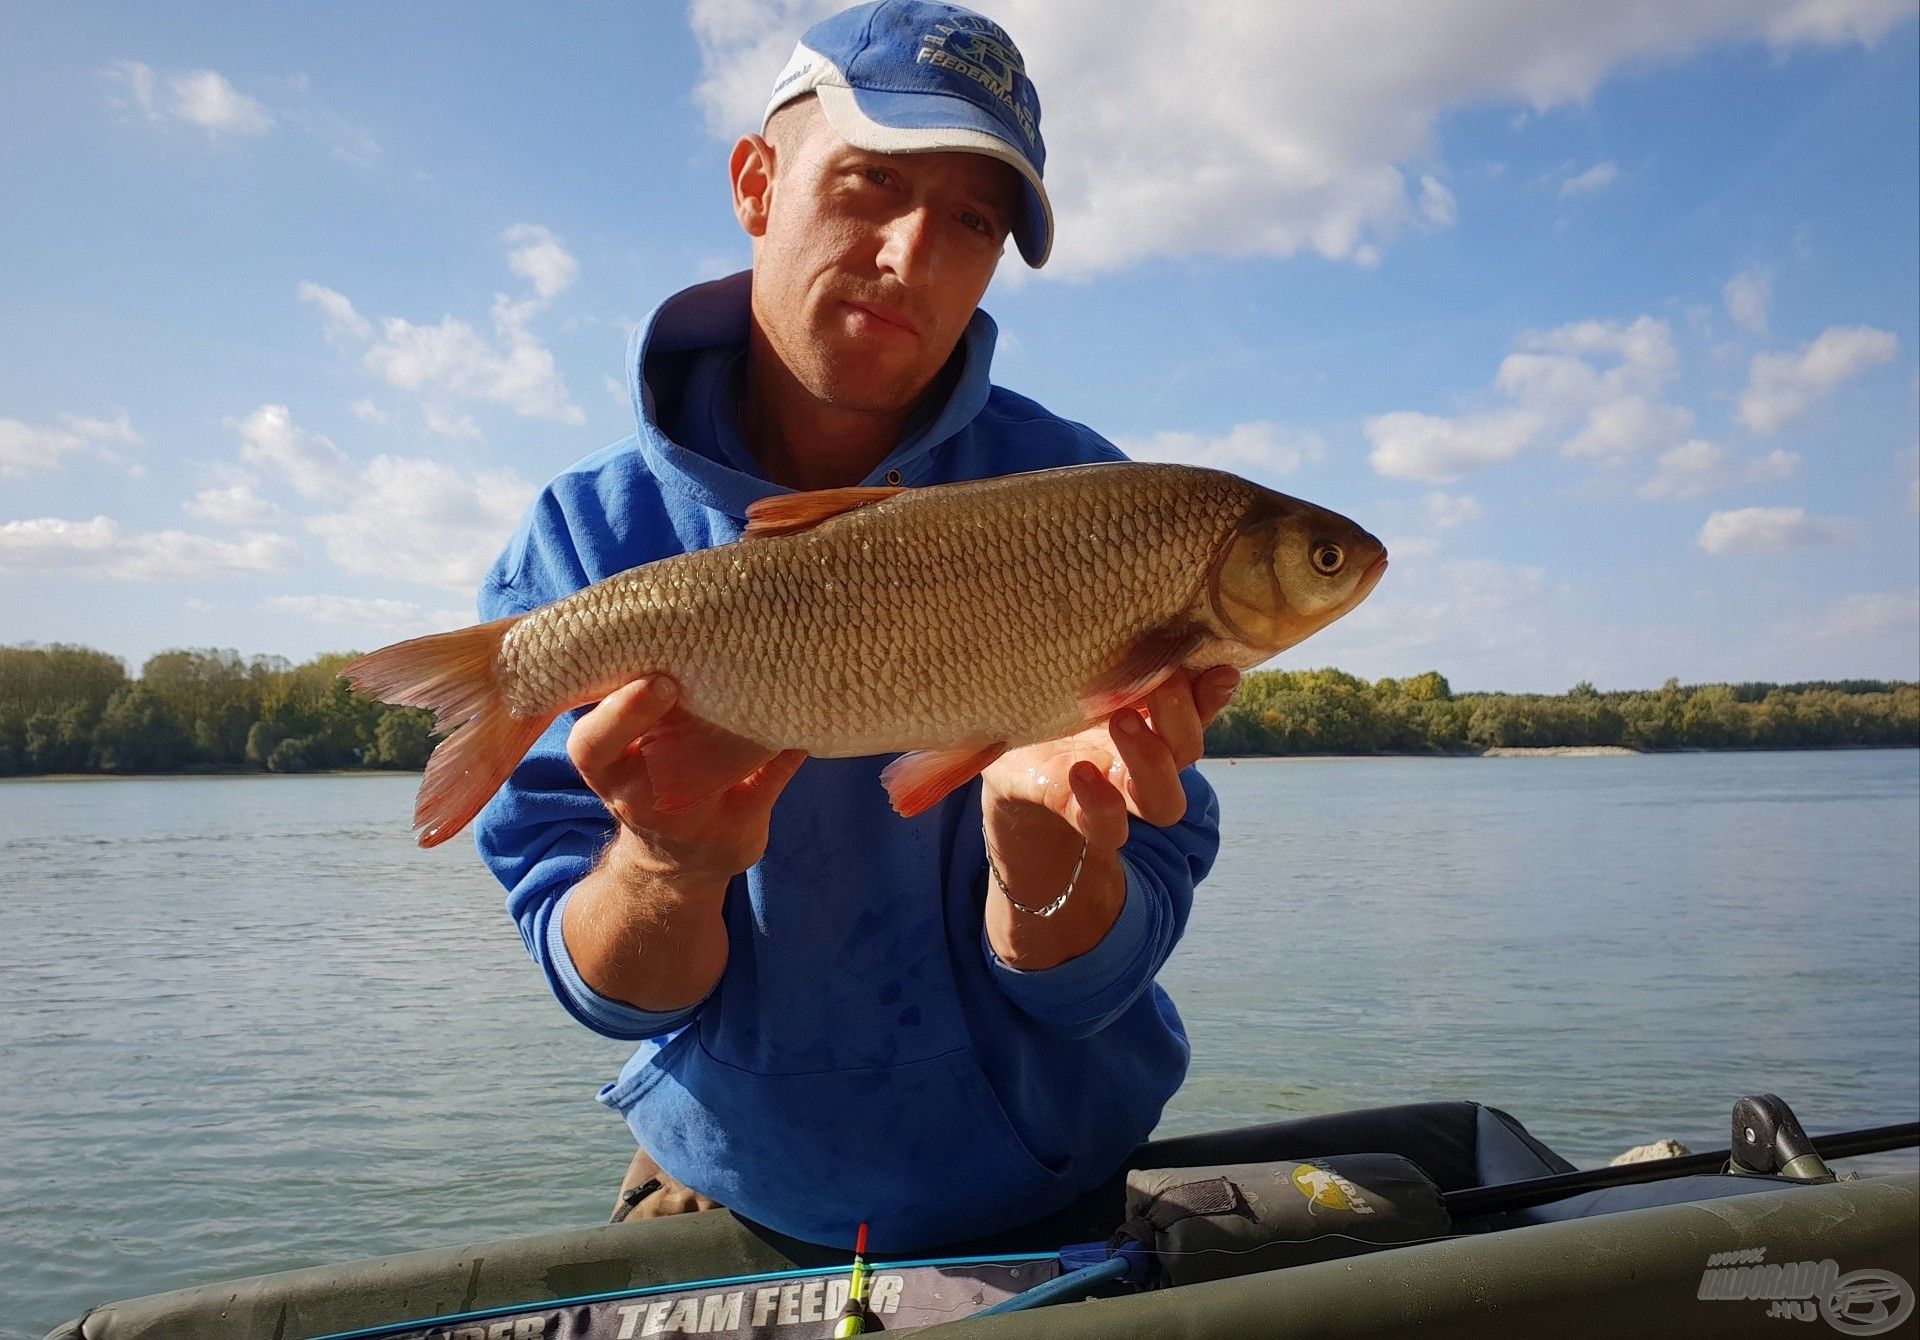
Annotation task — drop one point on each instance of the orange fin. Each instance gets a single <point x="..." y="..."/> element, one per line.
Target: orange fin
<point x="452" y="674"/>
<point x="1139" y="671"/>
<point x="690" y="760"/>
<point x="791" y="513"/>
<point x="918" y="781"/>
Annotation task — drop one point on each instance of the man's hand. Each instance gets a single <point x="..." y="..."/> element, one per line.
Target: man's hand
<point x="644" y="926"/>
<point x="1033" y="799"/>
<point x="717" y="838"/>
<point x="1123" y="766"/>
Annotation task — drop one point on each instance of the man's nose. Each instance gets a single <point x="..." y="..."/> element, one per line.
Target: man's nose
<point x="908" y="248"/>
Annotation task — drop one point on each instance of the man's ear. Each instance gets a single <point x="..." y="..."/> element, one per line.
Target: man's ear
<point x="752" y="170"/>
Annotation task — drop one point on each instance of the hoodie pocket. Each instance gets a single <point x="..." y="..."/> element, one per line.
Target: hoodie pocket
<point x="923" y="1151"/>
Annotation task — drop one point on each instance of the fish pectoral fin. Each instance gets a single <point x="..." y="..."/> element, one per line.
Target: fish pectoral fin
<point x="689" y="760"/>
<point x="918" y="781"/>
<point x="1139" y="670"/>
<point x="793" y="512"/>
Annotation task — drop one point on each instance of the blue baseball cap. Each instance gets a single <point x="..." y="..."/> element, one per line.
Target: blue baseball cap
<point x="908" y="76"/>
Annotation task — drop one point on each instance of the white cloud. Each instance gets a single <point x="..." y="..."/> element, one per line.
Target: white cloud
<point x="1437" y="204"/>
<point x="538" y="258"/>
<point x="1783" y="386"/>
<point x="616" y="390"/>
<point x="308" y="461"/>
<point x="1870" y="614"/>
<point x="443" y="422"/>
<point x="234" y="505"/>
<point x="1234" y="129"/>
<point x="344" y="325"/>
<point x="1436" y="450"/>
<point x="394" y="617"/>
<point x="1257" y="448"/>
<point x="365" y="410"/>
<point x="1748" y="296"/>
<point x="26" y="447"/>
<point x="1770" y="530"/>
<point x="421" y="521"/>
<point x="207" y="100"/>
<point x="1591" y="182"/>
<point x="1445" y="511"/>
<point x="405" y="518"/>
<point x="452" y="359"/>
<point x="1696" y="468"/>
<point x="100" y="548"/>
<point x="200" y="98"/>
<point x="1598" y="385"/>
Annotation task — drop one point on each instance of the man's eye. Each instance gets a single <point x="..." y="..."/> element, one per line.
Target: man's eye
<point x="977" y="223"/>
<point x="878" y="176"/>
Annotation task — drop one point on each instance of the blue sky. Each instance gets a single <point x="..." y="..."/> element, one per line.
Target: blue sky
<point x="1605" y="317"/>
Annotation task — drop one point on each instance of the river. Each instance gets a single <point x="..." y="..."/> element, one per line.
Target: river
<point x="246" y="1026"/>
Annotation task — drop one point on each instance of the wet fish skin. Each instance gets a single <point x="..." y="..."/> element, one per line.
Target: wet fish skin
<point x="952" y="621"/>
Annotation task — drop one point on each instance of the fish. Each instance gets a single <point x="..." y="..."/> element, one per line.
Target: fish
<point x="946" y="623"/>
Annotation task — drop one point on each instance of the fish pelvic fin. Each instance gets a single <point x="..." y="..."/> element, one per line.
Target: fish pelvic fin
<point x="452" y="675"/>
<point x="1139" y="670"/>
<point x="918" y="781"/>
<point x="790" y="513"/>
<point x="689" y="760"/>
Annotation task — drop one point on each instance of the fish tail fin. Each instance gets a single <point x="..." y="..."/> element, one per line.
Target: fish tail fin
<point x="452" y="675"/>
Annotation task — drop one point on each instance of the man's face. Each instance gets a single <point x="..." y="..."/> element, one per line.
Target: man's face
<point x="867" y="267"/>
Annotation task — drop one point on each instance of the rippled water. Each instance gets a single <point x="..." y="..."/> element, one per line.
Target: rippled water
<point x="246" y="1026"/>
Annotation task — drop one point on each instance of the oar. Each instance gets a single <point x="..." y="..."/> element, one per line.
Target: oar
<point x="1538" y="1190"/>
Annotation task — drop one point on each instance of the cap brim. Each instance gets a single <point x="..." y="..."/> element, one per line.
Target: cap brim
<point x="907" y="123"/>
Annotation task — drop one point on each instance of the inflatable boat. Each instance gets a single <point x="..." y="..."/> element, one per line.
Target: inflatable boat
<point x="1431" y="1220"/>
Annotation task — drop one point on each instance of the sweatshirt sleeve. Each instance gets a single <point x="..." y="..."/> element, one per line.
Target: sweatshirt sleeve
<point x="1083" y="995"/>
<point x="540" y="835"/>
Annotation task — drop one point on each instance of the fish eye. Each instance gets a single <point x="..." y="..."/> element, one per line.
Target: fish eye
<point x="1328" y="558"/>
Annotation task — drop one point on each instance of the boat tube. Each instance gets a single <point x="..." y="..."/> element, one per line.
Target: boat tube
<point x="1384" y="1222"/>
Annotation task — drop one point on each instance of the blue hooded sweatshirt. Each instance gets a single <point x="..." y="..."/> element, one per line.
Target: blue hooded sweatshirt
<point x="864" y="1055"/>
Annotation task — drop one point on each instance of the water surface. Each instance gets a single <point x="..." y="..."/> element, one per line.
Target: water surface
<point x="246" y="1026"/>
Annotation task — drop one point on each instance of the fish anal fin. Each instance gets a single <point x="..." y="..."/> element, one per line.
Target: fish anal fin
<point x="918" y="781"/>
<point x="790" y="513"/>
<point x="1139" y="670"/>
<point x="689" y="760"/>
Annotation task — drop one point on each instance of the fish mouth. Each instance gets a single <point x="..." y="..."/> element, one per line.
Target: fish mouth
<point x="1370" y="579"/>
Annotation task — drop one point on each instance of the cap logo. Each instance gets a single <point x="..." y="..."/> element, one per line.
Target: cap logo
<point x="980" y="50"/>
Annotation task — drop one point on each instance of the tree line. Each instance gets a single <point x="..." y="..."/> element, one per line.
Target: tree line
<point x="74" y="709"/>
<point x="1332" y="712"/>
<point x="70" y="709"/>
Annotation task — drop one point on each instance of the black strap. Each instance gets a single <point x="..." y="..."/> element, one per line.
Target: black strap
<point x="1189" y="1200"/>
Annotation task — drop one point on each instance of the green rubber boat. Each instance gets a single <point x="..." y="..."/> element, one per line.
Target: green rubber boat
<point x="1430" y="1220"/>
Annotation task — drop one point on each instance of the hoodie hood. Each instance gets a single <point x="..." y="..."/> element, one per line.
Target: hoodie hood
<point x="713" y="319"/>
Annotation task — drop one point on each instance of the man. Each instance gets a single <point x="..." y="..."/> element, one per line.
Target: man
<point x="941" y="1026"/>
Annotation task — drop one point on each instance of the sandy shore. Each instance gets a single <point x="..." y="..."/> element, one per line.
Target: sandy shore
<point x="1562" y="751"/>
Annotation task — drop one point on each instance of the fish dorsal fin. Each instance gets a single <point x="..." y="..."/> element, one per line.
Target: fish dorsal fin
<point x="790" y="513"/>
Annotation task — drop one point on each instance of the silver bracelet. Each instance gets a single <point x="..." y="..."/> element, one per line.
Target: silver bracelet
<point x="1051" y="907"/>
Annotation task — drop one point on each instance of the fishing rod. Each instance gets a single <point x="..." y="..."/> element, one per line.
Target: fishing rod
<point x="1754" y="1151"/>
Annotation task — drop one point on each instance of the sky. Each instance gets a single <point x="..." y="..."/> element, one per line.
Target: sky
<point x="1604" y="317"/>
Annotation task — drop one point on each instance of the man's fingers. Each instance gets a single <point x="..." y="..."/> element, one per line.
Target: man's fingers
<point x="601" y="737"/>
<point x="1152" y="775"/>
<point x="1214" y="691"/>
<point x="1176" y="718"/>
<point x="1102" y="819"/>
